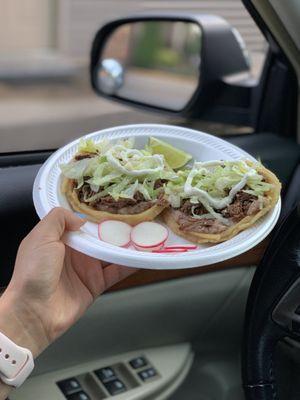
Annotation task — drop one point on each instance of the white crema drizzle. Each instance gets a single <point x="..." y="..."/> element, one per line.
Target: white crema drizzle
<point x="215" y="203"/>
<point x="119" y="155"/>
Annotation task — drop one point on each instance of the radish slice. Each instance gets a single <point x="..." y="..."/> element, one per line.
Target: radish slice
<point x="149" y="236"/>
<point x="181" y="247"/>
<point x="114" y="232"/>
<point x="165" y="250"/>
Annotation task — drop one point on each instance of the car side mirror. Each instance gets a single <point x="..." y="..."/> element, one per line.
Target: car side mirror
<point x="192" y="66"/>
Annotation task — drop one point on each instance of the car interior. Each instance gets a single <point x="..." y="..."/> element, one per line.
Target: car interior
<point x="227" y="331"/>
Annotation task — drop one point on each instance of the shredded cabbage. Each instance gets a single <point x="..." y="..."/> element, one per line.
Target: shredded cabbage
<point x="214" y="184"/>
<point x="175" y="188"/>
<point x="118" y="170"/>
<point x="217" y="180"/>
<point x="75" y="169"/>
<point x="134" y="162"/>
<point x="89" y="146"/>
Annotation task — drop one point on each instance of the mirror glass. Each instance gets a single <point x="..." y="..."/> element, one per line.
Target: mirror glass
<point x="152" y="62"/>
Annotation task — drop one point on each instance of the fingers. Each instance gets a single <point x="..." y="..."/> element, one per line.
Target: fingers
<point x="115" y="273"/>
<point x="54" y="224"/>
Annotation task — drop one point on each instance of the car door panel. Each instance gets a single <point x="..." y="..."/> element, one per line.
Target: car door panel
<point x="169" y="366"/>
<point x="205" y="311"/>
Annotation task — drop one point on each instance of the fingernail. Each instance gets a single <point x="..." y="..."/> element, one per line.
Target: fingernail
<point x="80" y="215"/>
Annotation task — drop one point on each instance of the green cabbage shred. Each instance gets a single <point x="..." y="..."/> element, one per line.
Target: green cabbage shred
<point x="217" y="182"/>
<point x="104" y="179"/>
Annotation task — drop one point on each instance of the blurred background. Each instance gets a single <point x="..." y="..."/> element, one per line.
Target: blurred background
<point x="45" y="94"/>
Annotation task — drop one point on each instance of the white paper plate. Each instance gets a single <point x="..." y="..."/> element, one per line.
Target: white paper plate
<point x="46" y="195"/>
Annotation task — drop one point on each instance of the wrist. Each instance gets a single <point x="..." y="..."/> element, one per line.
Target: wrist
<point x="21" y="325"/>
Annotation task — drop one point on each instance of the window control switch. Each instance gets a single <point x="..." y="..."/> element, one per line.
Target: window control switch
<point x="69" y="386"/>
<point x="115" y="387"/>
<point x="147" y="374"/>
<point x="79" y="396"/>
<point x="138" y="362"/>
<point x="105" y="374"/>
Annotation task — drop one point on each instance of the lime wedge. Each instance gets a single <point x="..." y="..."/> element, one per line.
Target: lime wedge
<point x="175" y="158"/>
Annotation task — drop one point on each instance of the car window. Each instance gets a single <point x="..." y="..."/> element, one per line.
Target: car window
<point x="45" y="95"/>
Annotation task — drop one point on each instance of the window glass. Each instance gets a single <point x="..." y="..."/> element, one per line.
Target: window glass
<point x="45" y="95"/>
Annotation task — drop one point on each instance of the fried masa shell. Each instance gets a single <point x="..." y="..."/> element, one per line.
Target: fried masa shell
<point x="99" y="216"/>
<point x="271" y="198"/>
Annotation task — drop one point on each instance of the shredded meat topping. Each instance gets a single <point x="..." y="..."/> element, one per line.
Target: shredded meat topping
<point x="203" y="225"/>
<point x="186" y="208"/>
<point x="121" y="206"/>
<point x="84" y="192"/>
<point x="81" y="156"/>
<point x="159" y="183"/>
<point x="243" y="204"/>
<point x="161" y="199"/>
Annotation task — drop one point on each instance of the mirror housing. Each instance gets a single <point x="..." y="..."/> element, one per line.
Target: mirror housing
<point x="224" y="88"/>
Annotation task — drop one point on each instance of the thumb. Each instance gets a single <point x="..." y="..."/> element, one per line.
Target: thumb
<point x="54" y="224"/>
